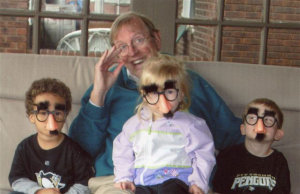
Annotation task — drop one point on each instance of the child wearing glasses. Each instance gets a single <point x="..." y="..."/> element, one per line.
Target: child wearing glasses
<point x="49" y="161"/>
<point x="162" y="148"/>
<point x="255" y="167"/>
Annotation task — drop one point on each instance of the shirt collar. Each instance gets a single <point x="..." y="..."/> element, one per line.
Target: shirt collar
<point x="132" y="77"/>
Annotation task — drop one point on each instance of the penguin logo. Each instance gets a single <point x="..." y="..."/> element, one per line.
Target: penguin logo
<point x="49" y="180"/>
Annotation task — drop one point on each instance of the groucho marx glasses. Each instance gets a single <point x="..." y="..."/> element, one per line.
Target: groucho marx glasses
<point x="268" y="121"/>
<point x="42" y="115"/>
<point x="136" y="42"/>
<point x="153" y="97"/>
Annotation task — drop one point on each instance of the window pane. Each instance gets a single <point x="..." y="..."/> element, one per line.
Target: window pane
<point x="243" y="10"/>
<point x="283" y="47"/>
<point x="200" y="9"/>
<point x="195" y="42"/>
<point x="98" y="40"/>
<point x="240" y="44"/>
<point x="114" y="7"/>
<point x="13" y="34"/>
<point x="62" y="6"/>
<point x="285" y="11"/>
<point x="20" y="5"/>
<point x="55" y="31"/>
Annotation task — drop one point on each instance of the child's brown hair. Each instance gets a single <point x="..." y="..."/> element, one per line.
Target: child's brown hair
<point x="47" y="85"/>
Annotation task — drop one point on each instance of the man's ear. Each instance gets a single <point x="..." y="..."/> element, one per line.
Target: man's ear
<point x="157" y="39"/>
<point x="32" y="118"/>
<point x="243" y="130"/>
<point x="278" y="135"/>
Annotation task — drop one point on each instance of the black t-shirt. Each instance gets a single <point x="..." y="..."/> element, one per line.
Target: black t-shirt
<point x="60" y="167"/>
<point x="238" y="171"/>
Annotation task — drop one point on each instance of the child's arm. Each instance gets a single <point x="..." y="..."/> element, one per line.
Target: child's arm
<point x="123" y="159"/>
<point x="78" y="189"/>
<point x="82" y="172"/>
<point x="48" y="191"/>
<point x="283" y="184"/>
<point x="18" y="176"/>
<point x="194" y="189"/>
<point x="200" y="148"/>
<point x="125" y="186"/>
<point x="25" y="185"/>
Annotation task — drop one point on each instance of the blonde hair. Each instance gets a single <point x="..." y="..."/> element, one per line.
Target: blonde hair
<point x="157" y="70"/>
<point x="269" y="104"/>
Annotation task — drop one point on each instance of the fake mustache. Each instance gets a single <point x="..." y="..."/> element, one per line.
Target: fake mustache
<point x="55" y="132"/>
<point x="168" y="115"/>
<point x="260" y="136"/>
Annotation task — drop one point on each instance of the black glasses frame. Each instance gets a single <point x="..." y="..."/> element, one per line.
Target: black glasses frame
<point x="49" y="112"/>
<point x="164" y="93"/>
<point x="263" y="119"/>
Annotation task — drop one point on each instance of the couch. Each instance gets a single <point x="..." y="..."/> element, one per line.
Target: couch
<point x="236" y="83"/>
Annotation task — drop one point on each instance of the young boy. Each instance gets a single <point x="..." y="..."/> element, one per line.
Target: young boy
<point x="255" y="167"/>
<point x="49" y="161"/>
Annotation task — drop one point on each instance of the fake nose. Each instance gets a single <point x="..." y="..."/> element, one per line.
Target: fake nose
<point x="164" y="104"/>
<point x="51" y="123"/>
<point x="259" y="127"/>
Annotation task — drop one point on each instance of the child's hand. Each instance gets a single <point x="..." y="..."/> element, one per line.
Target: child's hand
<point x="48" y="191"/>
<point x="125" y="186"/>
<point x="194" y="189"/>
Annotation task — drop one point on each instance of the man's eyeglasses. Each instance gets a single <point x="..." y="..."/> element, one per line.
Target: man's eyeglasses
<point x="136" y="42"/>
<point x="268" y="121"/>
<point x="153" y="97"/>
<point x="42" y="115"/>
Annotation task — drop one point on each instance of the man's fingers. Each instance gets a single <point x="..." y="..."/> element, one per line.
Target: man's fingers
<point x="109" y="58"/>
<point x="118" y="69"/>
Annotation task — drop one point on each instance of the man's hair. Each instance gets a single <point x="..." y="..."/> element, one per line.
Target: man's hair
<point x="159" y="69"/>
<point x="269" y="104"/>
<point x="126" y="18"/>
<point x="47" y="85"/>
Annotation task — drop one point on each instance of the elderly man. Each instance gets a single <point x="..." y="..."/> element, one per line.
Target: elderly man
<point x="110" y="101"/>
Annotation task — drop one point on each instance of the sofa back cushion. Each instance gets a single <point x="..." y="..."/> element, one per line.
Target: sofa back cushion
<point x="236" y="83"/>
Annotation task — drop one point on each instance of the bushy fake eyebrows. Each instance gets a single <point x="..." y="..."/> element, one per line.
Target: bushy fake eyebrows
<point x="269" y="113"/>
<point x="42" y="105"/>
<point x="253" y="110"/>
<point x="150" y="88"/>
<point x="169" y="84"/>
<point x="45" y="105"/>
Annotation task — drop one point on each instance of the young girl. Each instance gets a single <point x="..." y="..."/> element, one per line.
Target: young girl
<point x="162" y="149"/>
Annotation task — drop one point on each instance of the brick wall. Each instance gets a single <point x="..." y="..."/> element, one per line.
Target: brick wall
<point x="243" y="9"/>
<point x="283" y="47"/>
<point x="241" y="44"/>
<point x="14" y="33"/>
<point x="13" y="30"/>
<point x="197" y="43"/>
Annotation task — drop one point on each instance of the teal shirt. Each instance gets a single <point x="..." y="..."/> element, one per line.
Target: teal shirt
<point x="95" y="128"/>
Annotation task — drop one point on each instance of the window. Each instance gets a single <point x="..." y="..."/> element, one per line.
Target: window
<point x="63" y="27"/>
<point x="246" y="31"/>
<point x="259" y="32"/>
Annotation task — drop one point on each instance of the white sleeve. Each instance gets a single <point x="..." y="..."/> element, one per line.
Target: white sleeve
<point x="25" y="185"/>
<point x="78" y="189"/>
